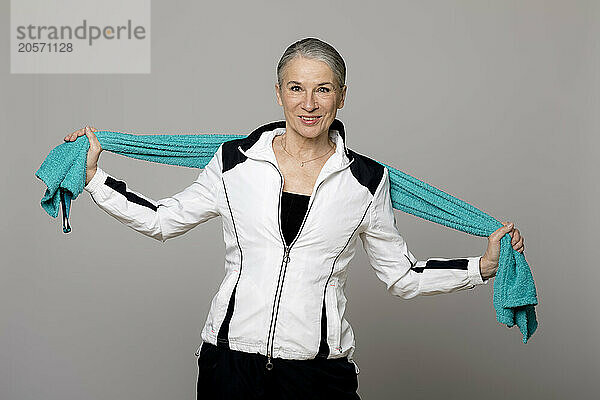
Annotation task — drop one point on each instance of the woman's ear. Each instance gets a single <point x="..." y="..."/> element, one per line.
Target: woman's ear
<point x="343" y="96"/>
<point x="278" y="94"/>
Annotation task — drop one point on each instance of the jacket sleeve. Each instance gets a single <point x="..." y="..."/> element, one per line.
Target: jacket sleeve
<point x="166" y="218"/>
<point x="397" y="267"/>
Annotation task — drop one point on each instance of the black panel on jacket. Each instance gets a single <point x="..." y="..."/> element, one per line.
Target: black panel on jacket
<point x="367" y="171"/>
<point x="121" y="187"/>
<point x="455" y="263"/>
<point x="232" y="156"/>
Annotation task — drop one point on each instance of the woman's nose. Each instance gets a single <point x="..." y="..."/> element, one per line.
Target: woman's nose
<point x="309" y="103"/>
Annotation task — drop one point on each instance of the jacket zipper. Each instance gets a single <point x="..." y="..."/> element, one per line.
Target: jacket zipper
<point x="284" y="263"/>
<point x="286" y="258"/>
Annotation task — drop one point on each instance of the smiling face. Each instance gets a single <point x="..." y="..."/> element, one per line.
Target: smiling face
<point x="310" y="96"/>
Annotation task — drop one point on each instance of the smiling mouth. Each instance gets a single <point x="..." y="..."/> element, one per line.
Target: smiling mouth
<point x="309" y="120"/>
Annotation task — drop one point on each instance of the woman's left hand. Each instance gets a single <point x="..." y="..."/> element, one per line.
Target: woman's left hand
<point x="488" y="264"/>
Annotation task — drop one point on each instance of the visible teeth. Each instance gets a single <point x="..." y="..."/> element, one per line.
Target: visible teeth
<point x="309" y="118"/>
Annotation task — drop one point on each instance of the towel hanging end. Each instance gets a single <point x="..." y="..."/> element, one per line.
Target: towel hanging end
<point x="66" y="227"/>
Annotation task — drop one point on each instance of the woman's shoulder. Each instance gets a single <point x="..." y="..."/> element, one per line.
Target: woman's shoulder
<point x="366" y="170"/>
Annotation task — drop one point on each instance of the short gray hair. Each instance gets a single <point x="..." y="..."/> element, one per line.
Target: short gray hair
<point x="316" y="49"/>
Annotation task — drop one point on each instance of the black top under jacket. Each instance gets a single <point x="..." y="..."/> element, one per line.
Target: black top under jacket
<point x="293" y="209"/>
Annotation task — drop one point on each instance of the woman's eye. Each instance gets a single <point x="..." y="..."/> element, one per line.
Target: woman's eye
<point x="293" y="88"/>
<point x="325" y="90"/>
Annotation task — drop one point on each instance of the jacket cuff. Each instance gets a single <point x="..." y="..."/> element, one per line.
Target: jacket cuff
<point x="97" y="180"/>
<point x="474" y="271"/>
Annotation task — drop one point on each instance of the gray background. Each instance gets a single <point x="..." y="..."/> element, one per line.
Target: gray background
<point x="494" y="102"/>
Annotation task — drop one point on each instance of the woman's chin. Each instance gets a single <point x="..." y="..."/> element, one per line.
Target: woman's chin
<point x="312" y="130"/>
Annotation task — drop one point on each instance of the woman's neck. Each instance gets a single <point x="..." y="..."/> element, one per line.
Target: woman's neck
<point x="305" y="148"/>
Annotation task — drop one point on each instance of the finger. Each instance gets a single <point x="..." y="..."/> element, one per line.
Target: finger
<point x="77" y="133"/>
<point x="519" y="243"/>
<point x="514" y="239"/>
<point x="93" y="139"/>
<point x="70" y="135"/>
<point x="516" y="236"/>
<point x="73" y="136"/>
<point x="500" y="232"/>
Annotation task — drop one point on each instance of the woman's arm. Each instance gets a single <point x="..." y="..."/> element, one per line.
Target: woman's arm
<point x="166" y="218"/>
<point x="397" y="267"/>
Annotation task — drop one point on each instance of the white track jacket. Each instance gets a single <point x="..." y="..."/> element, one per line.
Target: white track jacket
<point x="288" y="301"/>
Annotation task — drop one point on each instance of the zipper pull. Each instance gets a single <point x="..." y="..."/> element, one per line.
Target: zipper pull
<point x="287" y="255"/>
<point x="269" y="364"/>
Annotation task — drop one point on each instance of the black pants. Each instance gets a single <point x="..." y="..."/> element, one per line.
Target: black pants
<point x="230" y="374"/>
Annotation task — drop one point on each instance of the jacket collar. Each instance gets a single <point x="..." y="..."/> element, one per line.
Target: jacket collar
<point x="259" y="144"/>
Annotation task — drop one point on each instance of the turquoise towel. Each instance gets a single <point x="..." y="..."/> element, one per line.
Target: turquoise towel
<point x="515" y="298"/>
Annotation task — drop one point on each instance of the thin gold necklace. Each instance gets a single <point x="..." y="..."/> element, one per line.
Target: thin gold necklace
<point x="302" y="162"/>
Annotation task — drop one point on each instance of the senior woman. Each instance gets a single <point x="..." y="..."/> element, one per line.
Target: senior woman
<point x="293" y="200"/>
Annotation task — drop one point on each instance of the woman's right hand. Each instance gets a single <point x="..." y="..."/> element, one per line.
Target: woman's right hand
<point x="93" y="153"/>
